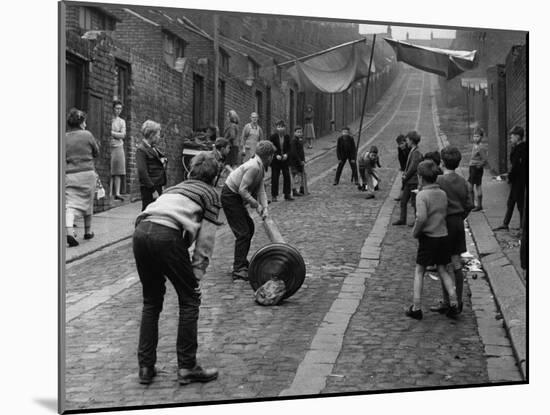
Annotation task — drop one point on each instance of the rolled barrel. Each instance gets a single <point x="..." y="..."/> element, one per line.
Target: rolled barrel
<point x="277" y="260"/>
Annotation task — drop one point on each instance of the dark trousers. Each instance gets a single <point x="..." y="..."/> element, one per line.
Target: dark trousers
<point x="276" y="170"/>
<point x="161" y="252"/>
<point x="340" y="167"/>
<point x="407" y="194"/>
<point x="516" y="197"/>
<point x="241" y="224"/>
<point x="147" y="195"/>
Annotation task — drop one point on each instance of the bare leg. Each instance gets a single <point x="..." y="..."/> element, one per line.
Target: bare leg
<point x="87" y="223"/>
<point x="117" y="185"/>
<point x="458" y="276"/>
<point x="449" y="284"/>
<point x="417" y="286"/>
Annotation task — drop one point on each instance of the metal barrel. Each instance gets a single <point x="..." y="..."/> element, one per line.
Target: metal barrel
<point x="277" y="260"/>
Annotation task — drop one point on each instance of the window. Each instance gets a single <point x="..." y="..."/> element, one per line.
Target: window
<point x="85" y="18"/>
<point x="93" y="19"/>
<point x="173" y="48"/>
<point x="122" y="81"/>
<point x="253" y="69"/>
<point x="224" y="61"/>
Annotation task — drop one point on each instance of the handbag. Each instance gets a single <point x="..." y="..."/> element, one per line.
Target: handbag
<point x="99" y="190"/>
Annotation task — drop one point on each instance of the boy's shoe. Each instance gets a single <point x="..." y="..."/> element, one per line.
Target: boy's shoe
<point x="273" y="199"/>
<point x="72" y="241"/>
<point x="241" y="274"/>
<point x="459" y="307"/>
<point x="146" y="375"/>
<point x="416" y="314"/>
<point x="197" y="374"/>
<point x="502" y="227"/>
<point x="376" y="187"/>
<point x="296" y="193"/>
<point x="88" y="235"/>
<point x="302" y="192"/>
<point x="398" y="223"/>
<point x="335" y="184"/>
<point x="452" y="312"/>
<point x="440" y="308"/>
<point x="289" y="198"/>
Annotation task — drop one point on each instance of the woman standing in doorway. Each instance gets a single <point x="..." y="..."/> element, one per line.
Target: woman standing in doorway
<point x="309" y="131"/>
<point x="118" y="162"/>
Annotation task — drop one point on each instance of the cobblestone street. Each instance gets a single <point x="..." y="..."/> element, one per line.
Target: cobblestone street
<point x="260" y="351"/>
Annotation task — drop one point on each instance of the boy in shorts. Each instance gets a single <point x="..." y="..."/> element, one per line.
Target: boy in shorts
<point x="431" y="231"/>
<point x="459" y="204"/>
<point x="477" y="162"/>
<point x="297" y="161"/>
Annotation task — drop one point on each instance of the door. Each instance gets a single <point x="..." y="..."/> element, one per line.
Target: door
<point x="198" y="101"/>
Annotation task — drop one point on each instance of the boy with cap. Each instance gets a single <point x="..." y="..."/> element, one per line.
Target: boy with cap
<point x="517" y="177"/>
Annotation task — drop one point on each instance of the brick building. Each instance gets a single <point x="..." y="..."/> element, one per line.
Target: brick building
<point x="160" y="64"/>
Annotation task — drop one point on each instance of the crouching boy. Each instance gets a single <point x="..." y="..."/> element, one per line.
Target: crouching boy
<point x="431" y="231"/>
<point x="183" y="214"/>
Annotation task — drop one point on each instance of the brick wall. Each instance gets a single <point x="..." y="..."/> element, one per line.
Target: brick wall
<point x="516" y="87"/>
<point x="159" y="92"/>
<point x="496" y="118"/>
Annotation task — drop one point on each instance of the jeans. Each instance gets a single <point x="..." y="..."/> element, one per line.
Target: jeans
<point x="241" y="224"/>
<point x="353" y="166"/>
<point x="276" y="170"/>
<point x="407" y="194"/>
<point x="161" y="252"/>
<point x="147" y="195"/>
<point x="516" y="197"/>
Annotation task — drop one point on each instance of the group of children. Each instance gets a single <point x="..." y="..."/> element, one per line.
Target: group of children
<point x="441" y="199"/>
<point x="346" y="151"/>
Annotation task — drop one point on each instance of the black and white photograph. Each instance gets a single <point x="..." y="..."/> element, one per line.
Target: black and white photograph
<point x="265" y="206"/>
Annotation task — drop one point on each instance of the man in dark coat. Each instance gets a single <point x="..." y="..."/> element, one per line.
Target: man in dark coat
<point x="281" y="141"/>
<point x="517" y="177"/>
<point x="410" y="177"/>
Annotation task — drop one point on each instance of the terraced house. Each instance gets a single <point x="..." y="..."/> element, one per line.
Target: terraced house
<point x="186" y="68"/>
